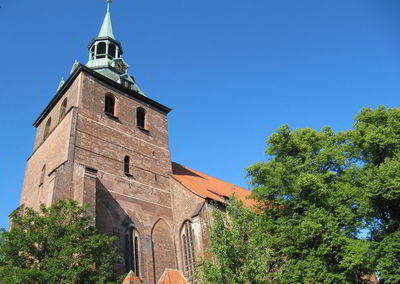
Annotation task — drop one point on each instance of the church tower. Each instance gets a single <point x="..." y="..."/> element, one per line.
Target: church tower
<point x="102" y="141"/>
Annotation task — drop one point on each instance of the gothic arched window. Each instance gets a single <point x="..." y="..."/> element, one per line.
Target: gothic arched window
<point x="140" y="117"/>
<point x="63" y="108"/>
<point x="101" y="50"/>
<point x="132" y="256"/>
<point x="126" y="164"/>
<point x="109" y="105"/>
<point x="111" y="50"/>
<point x="188" y="256"/>
<point x="42" y="175"/>
<point x="47" y="129"/>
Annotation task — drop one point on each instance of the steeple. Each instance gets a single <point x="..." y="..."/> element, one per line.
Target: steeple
<point x="106" y="55"/>
<point x="106" y="28"/>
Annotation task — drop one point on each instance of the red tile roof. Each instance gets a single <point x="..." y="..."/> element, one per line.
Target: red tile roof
<point x="209" y="187"/>
<point x="131" y="278"/>
<point x="172" y="277"/>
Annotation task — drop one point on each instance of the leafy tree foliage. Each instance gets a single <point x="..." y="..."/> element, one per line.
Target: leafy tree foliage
<point x="315" y="193"/>
<point x="376" y="145"/>
<point x="240" y="248"/>
<point x="2" y="242"/>
<point x="56" y="245"/>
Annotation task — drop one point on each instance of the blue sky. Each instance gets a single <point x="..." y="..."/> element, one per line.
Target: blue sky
<point x="232" y="71"/>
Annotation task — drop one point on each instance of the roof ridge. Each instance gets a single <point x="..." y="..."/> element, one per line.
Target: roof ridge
<point x="212" y="177"/>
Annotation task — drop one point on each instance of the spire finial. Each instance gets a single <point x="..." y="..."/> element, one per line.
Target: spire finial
<point x="108" y="5"/>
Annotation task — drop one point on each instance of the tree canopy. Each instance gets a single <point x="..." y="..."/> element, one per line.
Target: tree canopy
<point x="2" y="242"/>
<point x="55" y="245"/>
<point x="317" y="194"/>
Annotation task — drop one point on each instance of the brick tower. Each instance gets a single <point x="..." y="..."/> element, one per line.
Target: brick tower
<point x="102" y="141"/>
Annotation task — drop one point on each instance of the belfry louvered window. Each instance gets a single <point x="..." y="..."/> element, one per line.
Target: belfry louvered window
<point x="109" y="105"/>
<point x="111" y="51"/>
<point x="188" y="255"/>
<point x="126" y="165"/>
<point x="132" y="249"/>
<point x="101" y="50"/>
<point x="92" y="52"/>
<point x="140" y="117"/>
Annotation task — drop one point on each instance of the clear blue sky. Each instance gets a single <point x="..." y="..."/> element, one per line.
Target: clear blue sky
<point x="232" y="71"/>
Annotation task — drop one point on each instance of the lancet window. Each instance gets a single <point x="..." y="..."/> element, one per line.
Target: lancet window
<point x="63" y="109"/>
<point x="132" y="257"/>
<point x="47" y="129"/>
<point x="188" y="255"/>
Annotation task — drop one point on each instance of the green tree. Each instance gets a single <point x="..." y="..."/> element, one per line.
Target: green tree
<point x="56" y="245"/>
<point x="315" y="193"/>
<point x="240" y="248"/>
<point x="2" y="242"/>
<point x="376" y="145"/>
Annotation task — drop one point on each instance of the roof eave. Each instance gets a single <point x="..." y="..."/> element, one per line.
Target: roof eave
<point x="107" y="38"/>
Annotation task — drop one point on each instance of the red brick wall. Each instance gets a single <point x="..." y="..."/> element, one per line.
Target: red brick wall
<point x="163" y="248"/>
<point x="52" y="153"/>
<point x="139" y="199"/>
<point x="184" y="203"/>
<point x="71" y="95"/>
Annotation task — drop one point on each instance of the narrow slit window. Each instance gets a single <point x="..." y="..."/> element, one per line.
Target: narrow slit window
<point x="63" y="109"/>
<point x="109" y="105"/>
<point x="42" y="175"/>
<point x="126" y="164"/>
<point x="47" y="129"/>
<point x="132" y="256"/>
<point x="140" y="117"/>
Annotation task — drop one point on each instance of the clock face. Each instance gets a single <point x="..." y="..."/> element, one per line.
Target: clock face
<point x="120" y="66"/>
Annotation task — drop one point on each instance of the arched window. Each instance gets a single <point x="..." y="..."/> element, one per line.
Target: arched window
<point x="92" y="52"/>
<point x="109" y="105"/>
<point x="47" y="129"/>
<point x="126" y="164"/>
<point x="188" y="256"/>
<point x="101" y="50"/>
<point x="111" y="50"/>
<point x="42" y="175"/>
<point x="132" y="256"/>
<point x="140" y="117"/>
<point x="63" y="108"/>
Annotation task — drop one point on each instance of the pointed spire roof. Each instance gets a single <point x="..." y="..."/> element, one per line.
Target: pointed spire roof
<point x="106" y="28"/>
<point x="62" y="82"/>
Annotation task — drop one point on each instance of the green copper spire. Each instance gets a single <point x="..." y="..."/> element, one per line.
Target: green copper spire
<point x="106" y="56"/>
<point x="106" y="28"/>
